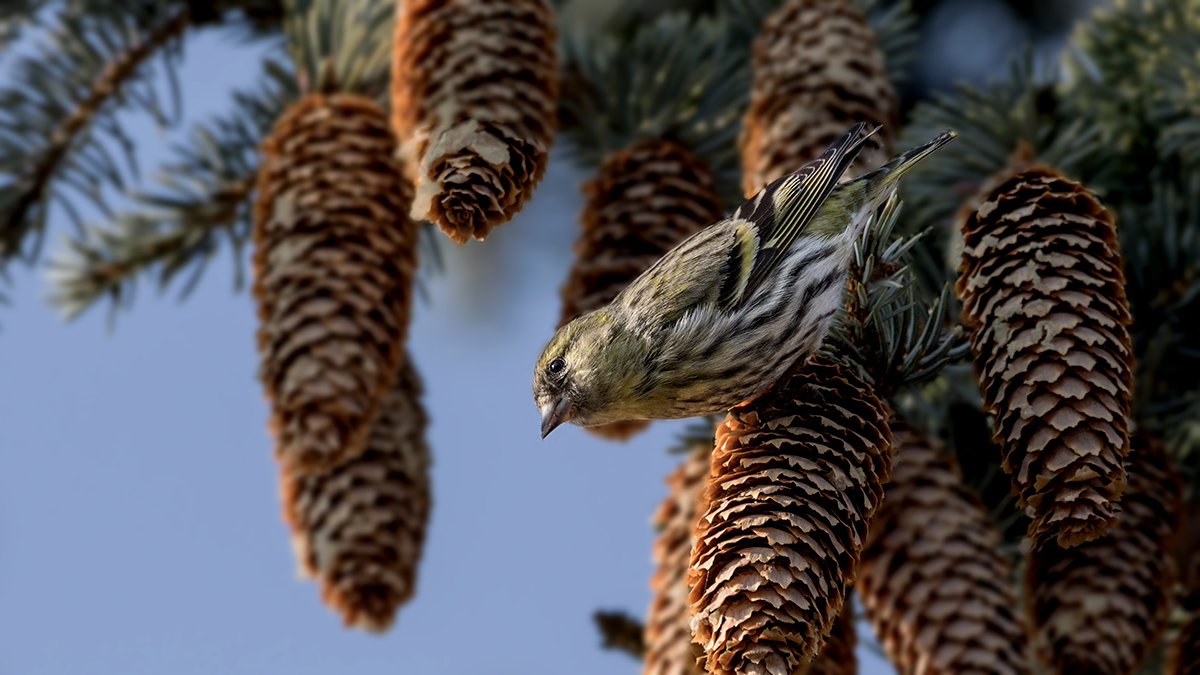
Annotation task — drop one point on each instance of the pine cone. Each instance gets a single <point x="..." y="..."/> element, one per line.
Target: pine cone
<point x="1043" y="292"/>
<point x="796" y="476"/>
<point x="334" y="259"/>
<point x="837" y="656"/>
<point x="668" y="637"/>
<point x="817" y="70"/>
<point x="359" y="527"/>
<point x="474" y="90"/>
<point x="933" y="585"/>
<point x="1099" y="606"/>
<point x="1185" y="653"/>
<point x="643" y="201"/>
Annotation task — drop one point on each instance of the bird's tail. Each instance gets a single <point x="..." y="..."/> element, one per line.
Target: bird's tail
<point x="881" y="181"/>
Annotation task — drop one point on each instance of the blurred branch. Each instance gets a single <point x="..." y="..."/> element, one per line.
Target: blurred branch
<point x="63" y="98"/>
<point x="205" y="194"/>
<point x="620" y="632"/>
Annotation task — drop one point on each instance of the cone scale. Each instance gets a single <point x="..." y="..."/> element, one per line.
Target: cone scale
<point x="1043" y="294"/>
<point x="333" y="265"/>
<point x="817" y="70"/>
<point x="474" y="90"/>
<point x="359" y="527"/>
<point x="1098" y="607"/>
<point x="796" y="476"/>
<point x="668" y="636"/>
<point x="933" y="584"/>
<point x="837" y="656"/>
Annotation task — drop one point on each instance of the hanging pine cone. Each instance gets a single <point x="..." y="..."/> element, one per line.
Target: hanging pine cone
<point x="796" y="476"/>
<point x="837" y="656"/>
<point x="334" y="259"/>
<point x="668" y="636"/>
<point x="936" y="590"/>
<point x="359" y="526"/>
<point x="817" y="70"/>
<point x="1043" y="292"/>
<point x="1185" y="653"/>
<point x="1098" y="607"/>
<point x="474" y="89"/>
<point x="643" y="201"/>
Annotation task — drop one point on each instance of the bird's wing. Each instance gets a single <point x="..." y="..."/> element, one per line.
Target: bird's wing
<point x="709" y="268"/>
<point x="785" y="207"/>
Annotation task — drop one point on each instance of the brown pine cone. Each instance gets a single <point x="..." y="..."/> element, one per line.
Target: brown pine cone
<point x="1185" y="653"/>
<point x="668" y="636"/>
<point x="936" y="590"/>
<point x="1098" y="607"/>
<point x="1043" y="293"/>
<point x="643" y="201"/>
<point x="817" y="70"/>
<point x="474" y="90"/>
<point x="796" y="476"/>
<point x="359" y="527"/>
<point x="837" y="656"/>
<point x="333" y="265"/>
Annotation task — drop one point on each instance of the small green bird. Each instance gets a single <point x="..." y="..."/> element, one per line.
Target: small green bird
<point x="728" y="311"/>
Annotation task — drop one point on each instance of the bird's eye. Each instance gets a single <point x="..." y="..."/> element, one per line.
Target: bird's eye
<point x="556" y="366"/>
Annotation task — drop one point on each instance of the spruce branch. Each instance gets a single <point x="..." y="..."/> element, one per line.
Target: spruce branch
<point x="993" y="122"/>
<point x="1161" y="245"/>
<point x="884" y="328"/>
<point x="15" y="16"/>
<point x="341" y="45"/>
<point x="204" y="196"/>
<point x="676" y="78"/>
<point x="60" y="110"/>
<point x="1134" y="70"/>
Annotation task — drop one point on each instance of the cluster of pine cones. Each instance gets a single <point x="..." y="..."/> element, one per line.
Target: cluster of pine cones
<point x="801" y="495"/>
<point x="341" y="189"/>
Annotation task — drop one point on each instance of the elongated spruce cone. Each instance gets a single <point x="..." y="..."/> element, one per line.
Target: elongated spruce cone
<point x="474" y="90"/>
<point x="668" y="636"/>
<point x="643" y="201"/>
<point x="1185" y="653"/>
<point x="933" y="584"/>
<point x="1098" y="607"/>
<point x="333" y="263"/>
<point x="817" y="70"/>
<point x="837" y="656"/>
<point x="359" y="527"/>
<point x="1043" y="293"/>
<point x="796" y="476"/>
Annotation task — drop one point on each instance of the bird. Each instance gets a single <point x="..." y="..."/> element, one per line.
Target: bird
<point x="729" y="310"/>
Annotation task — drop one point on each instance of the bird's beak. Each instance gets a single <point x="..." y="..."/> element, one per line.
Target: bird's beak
<point x="554" y="413"/>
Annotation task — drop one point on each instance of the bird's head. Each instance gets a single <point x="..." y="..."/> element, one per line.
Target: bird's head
<point x="584" y="373"/>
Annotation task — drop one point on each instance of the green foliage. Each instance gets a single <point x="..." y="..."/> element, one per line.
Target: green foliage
<point x="341" y="45"/>
<point x="1134" y="71"/>
<point x="676" y="78"/>
<point x="204" y="196"/>
<point x="884" y="328"/>
<point x="58" y="113"/>
<point x="992" y="122"/>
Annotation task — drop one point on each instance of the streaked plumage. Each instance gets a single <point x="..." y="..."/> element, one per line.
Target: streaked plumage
<point x="729" y="310"/>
